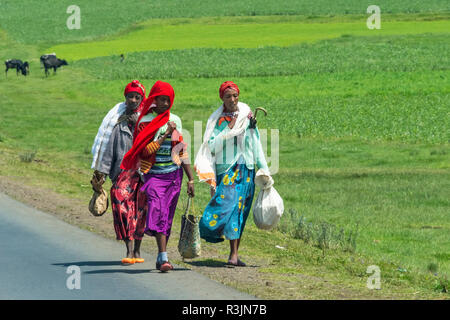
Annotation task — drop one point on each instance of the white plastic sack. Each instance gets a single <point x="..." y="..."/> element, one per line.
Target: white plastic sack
<point x="269" y="206"/>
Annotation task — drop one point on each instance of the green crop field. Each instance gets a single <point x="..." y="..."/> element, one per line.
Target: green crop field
<point x="42" y="21"/>
<point x="249" y="35"/>
<point x="363" y="117"/>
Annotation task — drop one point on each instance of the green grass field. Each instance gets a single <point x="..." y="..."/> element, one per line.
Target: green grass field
<point x="363" y="116"/>
<point x="163" y="37"/>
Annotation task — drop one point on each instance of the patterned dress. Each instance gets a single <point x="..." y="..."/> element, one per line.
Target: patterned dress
<point x="226" y="213"/>
<point x="129" y="204"/>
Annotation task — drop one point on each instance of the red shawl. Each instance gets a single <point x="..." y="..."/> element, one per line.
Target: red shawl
<point x="146" y="135"/>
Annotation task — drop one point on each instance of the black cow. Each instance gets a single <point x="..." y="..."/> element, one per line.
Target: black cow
<point x="45" y="57"/>
<point x="53" y="62"/>
<point x="18" y="65"/>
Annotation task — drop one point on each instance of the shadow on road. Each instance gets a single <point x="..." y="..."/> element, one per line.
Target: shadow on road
<point x="212" y="264"/>
<point x="110" y="263"/>
<point x="207" y="263"/>
<point x="131" y="271"/>
<point x="89" y="263"/>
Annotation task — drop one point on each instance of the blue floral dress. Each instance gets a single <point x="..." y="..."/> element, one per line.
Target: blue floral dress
<point x="226" y="213"/>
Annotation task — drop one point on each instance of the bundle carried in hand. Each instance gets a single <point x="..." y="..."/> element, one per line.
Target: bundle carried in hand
<point x="99" y="202"/>
<point x="268" y="207"/>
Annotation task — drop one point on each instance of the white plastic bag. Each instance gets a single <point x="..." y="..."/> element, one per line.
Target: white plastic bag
<point x="269" y="206"/>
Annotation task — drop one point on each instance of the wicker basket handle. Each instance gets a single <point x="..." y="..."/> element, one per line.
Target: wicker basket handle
<point x="188" y="206"/>
<point x="186" y="212"/>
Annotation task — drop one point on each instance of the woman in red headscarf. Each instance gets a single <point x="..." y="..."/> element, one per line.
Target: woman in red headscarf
<point x="227" y="160"/>
<point x="128" y="206"/>
<point x="161" y="156"/>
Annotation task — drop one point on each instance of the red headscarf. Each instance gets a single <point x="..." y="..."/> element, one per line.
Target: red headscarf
<point x="146" y="135"/>
<point x="225" y="86"/>
<point x="136" y="86"/>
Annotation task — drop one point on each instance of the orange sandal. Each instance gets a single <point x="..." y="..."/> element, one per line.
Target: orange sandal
<point x="128" y="261"/>
<point x="139" y="260"/>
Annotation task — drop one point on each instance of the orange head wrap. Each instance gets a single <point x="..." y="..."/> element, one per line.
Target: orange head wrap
<point x="226" y="85"/>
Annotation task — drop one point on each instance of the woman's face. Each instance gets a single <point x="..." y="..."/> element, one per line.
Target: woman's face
<point x="162" y="104"/>
<point x="230" y="99"/>
<point x="133" y="100"/>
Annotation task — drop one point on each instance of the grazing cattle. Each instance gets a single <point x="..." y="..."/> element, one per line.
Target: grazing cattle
<point x="45" y="57"/>
<point x="53" y="62"/>
<point x="26" y="66"/>
<point x="18" y="65"/>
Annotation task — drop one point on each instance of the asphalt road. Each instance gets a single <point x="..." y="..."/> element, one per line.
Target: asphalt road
<point x="37" y="251"/>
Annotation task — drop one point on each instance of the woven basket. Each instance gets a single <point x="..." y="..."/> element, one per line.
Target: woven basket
<point x="189" y="245"/>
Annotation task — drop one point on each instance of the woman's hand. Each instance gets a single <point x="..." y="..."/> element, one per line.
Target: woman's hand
<point x="190" y="183"/>
<point x="190" y="189"/>
<point x="97" y="181"/>
<point x="133" y="118"/>
<point x="171" y="126"/>
<point x="252" y="123"/>
<point x="100" y="177"/>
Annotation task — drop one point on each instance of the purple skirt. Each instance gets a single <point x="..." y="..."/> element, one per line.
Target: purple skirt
<point x="162" y="192"/>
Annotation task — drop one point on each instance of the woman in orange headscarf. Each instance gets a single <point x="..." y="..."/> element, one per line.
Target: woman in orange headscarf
<point x="114" y="139"/>
<point x="227" y="160"/>
<point x="160" y="155"/>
